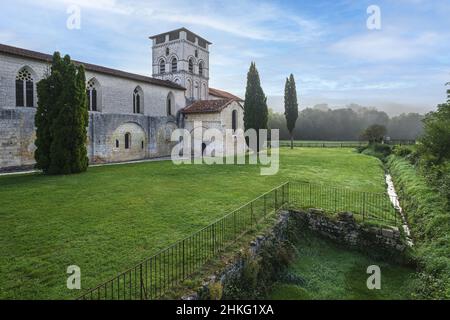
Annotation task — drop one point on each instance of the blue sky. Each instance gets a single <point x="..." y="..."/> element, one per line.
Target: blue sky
<point x="325" y="44"/>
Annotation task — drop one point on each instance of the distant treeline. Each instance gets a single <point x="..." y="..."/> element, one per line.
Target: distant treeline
<point x="346" y="124"/>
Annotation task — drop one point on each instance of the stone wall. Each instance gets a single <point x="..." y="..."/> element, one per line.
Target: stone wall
<point x="17" y="135"/>
<point x="150" y="137"/>
<point x="115" y="94"/>
<point x="345" y="230"/>
<point x="342" y="229"/>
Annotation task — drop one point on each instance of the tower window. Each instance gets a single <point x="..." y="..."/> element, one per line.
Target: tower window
<point x="24" y="89"/>
<point x="200" y="68"/>
<point x="167" y="51"/>
<point x="196" y="53"/>
<point x="117" y="143"/>
<point x="162" y="66"/>
<point x="191" y="66"/>
<point x="174" y="64"/>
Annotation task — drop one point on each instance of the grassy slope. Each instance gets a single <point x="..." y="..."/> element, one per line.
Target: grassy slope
<point x="111" y="217"/>
<point x="430" y="223"/>
<point x="328" y="271"/>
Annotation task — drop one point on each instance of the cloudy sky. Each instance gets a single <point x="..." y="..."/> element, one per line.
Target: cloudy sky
<point x="335" y="58"/>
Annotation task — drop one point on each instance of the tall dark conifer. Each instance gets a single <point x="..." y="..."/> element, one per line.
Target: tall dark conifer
<point x="61" y="119"/>
<point x="290" y="106"/>
<point x="255" y="106"/>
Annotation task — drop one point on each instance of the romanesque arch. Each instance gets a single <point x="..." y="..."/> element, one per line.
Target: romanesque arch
<point x="128" y="142"/>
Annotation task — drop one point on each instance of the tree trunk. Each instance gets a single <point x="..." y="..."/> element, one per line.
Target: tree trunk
<point x="292" y="140"/>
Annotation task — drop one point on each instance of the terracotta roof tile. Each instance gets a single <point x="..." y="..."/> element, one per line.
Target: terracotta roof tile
<point x="223" y="94"/>
<point x="207" y="106"/>
<point x="14" y="51"/>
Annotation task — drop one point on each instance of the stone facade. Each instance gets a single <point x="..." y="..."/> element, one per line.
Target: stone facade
<point x="115" y="118"/>
<point x="221" y="121"/>
<point x="184" y="46"/>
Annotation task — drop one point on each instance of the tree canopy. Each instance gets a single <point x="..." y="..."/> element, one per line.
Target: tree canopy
<point x="290" y="106"/>
<point x="255" y="106"/>
<point x="61" y="119"/>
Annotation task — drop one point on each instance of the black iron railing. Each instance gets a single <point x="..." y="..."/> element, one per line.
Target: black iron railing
<point x="154" y="276"/>
<point x="340" y="144"/>
<point x="366" y="206"/>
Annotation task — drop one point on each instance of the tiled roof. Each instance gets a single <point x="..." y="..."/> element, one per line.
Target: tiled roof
<point x="14" y="51"/>
<point x="223" y="94"/>
<point x="207" y="106"/>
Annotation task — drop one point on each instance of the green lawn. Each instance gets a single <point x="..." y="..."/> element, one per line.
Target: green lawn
<point x="324" y="270"/>
<point x="111" y="217"/>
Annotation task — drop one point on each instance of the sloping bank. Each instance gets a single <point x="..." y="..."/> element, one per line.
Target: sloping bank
<point x="254" y="272"/>
<point x="430" y="224"/>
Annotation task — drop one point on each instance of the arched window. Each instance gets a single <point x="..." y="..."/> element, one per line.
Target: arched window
<point x="169" y="104"/>
<point x="234" y="120"/>
<point x="24" y="88"/>
<point x="174" y="64"/>
<point x="191" y="66"/>
<point x="127" y="140"/>
<point x="200" y="68"/>
<point x="197" y="89"/>
<point x="92" y="92"/>
<point x="138" y="100"/>
<point x="188" y="88"/>
<point x="162" y="66"/>
<point x="204" y="95"/>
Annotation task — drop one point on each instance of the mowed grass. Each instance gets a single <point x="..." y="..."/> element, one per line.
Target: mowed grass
<point x="324" y="270"/>
<point x="111" y="217"/>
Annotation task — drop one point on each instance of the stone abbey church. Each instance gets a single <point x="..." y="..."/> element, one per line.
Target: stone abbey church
<point x="131" y="116"/>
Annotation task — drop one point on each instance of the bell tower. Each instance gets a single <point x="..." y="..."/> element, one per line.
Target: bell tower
<point x="182" y="57"/>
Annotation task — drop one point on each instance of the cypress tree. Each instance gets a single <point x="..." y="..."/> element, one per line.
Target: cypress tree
<point x="255" y="106"/>
<point x="62" y="119"/>
<point x="290" y="106"/>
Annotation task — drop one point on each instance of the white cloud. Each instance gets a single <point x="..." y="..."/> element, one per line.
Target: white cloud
<point x="382" y="46"/>
<point x="250" y="19"/>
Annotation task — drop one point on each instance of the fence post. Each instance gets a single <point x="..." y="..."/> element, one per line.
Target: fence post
<point x="289" y="192"/>
<point x="265" y="209"/>
<point x="234" y="224"/>
<point x="335" y="200"/>
<point x="310" y="196"/>
<point x="364" y="206"/>
<point x="213" y="239"/>
<point x="251" y="213"/>
<point x="140" y="278"/>
<point x="183" y="262"/>
<point x="276" y="200"/>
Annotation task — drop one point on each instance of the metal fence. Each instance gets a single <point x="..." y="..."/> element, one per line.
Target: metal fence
<point x="327" y="144"/>
<point x="154" y="276"/>
<point x="376" y="207"/>
<point x="340" y="144"/>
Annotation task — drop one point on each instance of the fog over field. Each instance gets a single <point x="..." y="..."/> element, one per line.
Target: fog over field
<point x="391" y="108"/>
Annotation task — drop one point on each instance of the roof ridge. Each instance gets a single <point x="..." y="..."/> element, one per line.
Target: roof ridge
<point x="11" y="50"/>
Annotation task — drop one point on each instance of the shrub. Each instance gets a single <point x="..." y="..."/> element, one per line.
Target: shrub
<point x="377" y="150"/>
<point x="402" y="151"/>
<point x="430" y="223"/>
